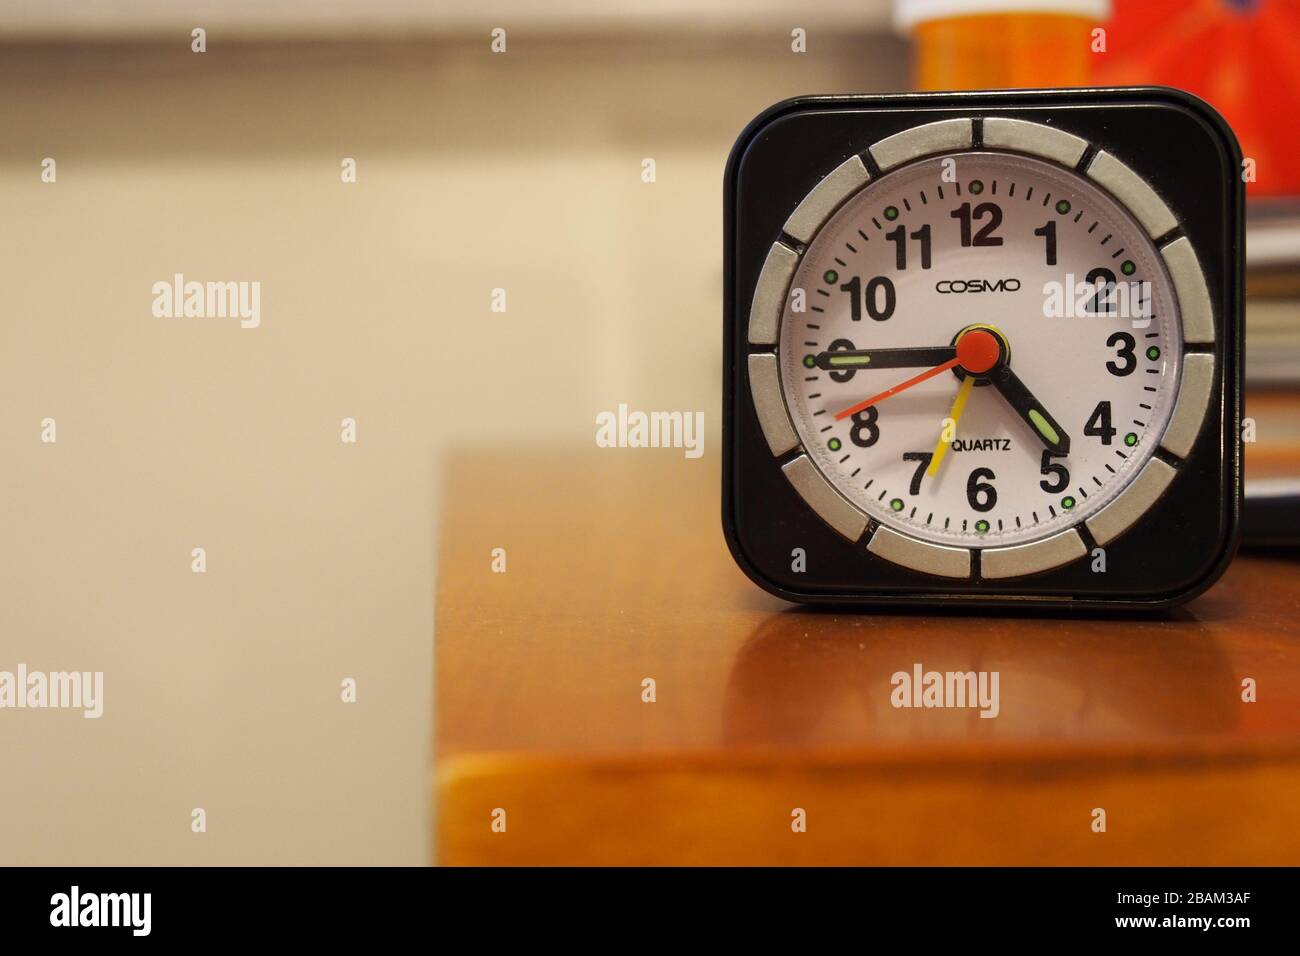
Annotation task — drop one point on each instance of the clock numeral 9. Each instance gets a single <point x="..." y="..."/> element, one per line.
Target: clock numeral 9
<point x="842" y="375"/>
<point x="980" y="493"/>
<point x="898" y="236"/>
<point x="1049" y="467"/>
<point x="1099" y="423"/>
<point x="1126" y="345"/>
<point x="879" y="296"/>
<point x="985" y="235"/>
<point x="865" y="432"/>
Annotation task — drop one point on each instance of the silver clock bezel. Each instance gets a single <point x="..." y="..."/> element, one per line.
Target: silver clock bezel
<point x="1001" y="134"/>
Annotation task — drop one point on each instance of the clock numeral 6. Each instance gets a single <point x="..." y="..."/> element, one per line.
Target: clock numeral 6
<point x="980" y="493"/>
<point x="865" y="432"/>
<point x="1049" y="467"/>
<point x="879" y="296"/>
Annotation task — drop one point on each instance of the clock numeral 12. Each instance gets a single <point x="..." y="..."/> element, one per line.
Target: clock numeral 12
<point x="985" y="235"/>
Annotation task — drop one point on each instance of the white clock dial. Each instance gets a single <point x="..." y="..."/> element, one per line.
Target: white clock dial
<point x="1069" y="393"/>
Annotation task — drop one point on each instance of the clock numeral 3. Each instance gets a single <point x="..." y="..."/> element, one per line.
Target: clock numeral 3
<point x="1126" y="345"/>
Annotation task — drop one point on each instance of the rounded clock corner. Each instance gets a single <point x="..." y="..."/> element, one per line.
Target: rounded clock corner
<point x="765" y="121"/>
<point x="1229" y="543"/>
<point x="751" y="131"/>
<point x="1202" y="110"/>
<point x="1204" y="578"/>
<point x="749" y="567"/>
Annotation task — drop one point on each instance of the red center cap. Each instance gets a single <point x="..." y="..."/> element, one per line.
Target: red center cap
<point x="978" y="351"/>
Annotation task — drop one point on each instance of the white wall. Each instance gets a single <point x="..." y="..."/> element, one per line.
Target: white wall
<point x="476" y="171"/>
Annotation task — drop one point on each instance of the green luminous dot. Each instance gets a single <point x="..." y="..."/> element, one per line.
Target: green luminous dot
<point x="981" y="526"/>
<point x="833" y="444"/>
<point x="809" y="361"/>
<point x="891" y="212"/>
<point x="1131" y="439"/>
<point x="1067" y="502"/>
<point x="1128" y="268"/>
<point x="831" y="276"/>
<point x="976" y="187"/>
<point x="896" y="504"/>
<point x="1153" y="353"/>
<point x="1063" y="206"/>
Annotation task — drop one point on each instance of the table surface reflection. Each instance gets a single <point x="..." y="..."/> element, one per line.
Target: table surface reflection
<point x="616" y="571"/>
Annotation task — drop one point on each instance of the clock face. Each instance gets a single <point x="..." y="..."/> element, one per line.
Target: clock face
<point x="984" y="348"/>
<point x="980" y="349"/>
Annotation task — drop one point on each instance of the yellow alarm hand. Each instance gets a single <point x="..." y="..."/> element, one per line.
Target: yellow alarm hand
<point x="954" y="415"/>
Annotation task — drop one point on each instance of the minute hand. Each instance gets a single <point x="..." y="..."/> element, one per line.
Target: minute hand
<point x="1031" y="410"/>
<point x="885" y="358"/>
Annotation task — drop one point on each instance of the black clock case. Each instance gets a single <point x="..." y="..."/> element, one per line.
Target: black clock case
<point x="1175" y="141"/>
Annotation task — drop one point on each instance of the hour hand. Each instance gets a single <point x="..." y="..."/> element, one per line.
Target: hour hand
<point x="839" y="360"/>
<point x="1031" y="410"/>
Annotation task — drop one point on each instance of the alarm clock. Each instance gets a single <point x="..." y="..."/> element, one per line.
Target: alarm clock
<point x="984" y="349"/>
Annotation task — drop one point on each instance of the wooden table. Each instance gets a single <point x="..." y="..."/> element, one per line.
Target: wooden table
<point x="617" y="572"/>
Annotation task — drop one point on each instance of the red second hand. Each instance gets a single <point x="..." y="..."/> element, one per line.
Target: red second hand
<point x="938" y="369"/>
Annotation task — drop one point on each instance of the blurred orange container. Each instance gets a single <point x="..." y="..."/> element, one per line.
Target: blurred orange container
<point x="1001" y="44"/>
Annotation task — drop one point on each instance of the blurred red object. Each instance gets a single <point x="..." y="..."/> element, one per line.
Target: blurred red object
<point x="1242" y="56"/>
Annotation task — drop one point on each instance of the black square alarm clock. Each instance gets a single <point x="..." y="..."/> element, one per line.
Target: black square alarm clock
<point x="984" y="348"/>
